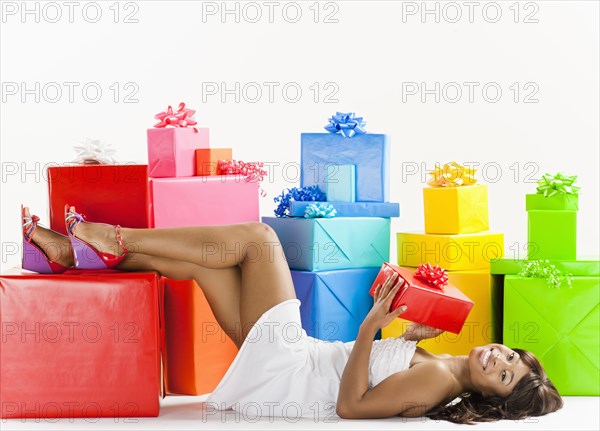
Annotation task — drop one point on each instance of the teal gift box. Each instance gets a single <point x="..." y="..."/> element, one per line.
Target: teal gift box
<point x="334" y="303"/>
<point x="317" y="244"/>
<point x="340" y="184"/>
<point x="370" y="153"/>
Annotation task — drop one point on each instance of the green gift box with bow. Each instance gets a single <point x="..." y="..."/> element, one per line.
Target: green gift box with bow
<point x="552" y="218"/>
<point x="560" y="325"/>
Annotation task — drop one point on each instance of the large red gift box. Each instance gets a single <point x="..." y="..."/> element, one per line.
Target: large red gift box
<point x="199" y="352"/>
<point x="444" y="308"/>
<point x="114" y="194"/>
<point x="80" y="344"/>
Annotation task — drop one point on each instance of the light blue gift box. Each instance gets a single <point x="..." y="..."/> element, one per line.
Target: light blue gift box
<point x="334" y="303"/>
<point x="352" y="209"/>
<point x="369" y="152"/>
<point x="340" y="183"/>
<point x="316" y="244"/>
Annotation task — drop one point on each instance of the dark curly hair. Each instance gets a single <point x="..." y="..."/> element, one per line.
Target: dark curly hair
<point x="534" y="395"/>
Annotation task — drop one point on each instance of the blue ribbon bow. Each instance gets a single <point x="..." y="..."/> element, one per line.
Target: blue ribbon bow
<point x="320" y="209"/>
<point x="346" y="124"/>
<point x="306" y="193"/>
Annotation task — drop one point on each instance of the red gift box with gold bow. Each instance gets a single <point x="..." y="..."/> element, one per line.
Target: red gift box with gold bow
<point x="430" y="299"/>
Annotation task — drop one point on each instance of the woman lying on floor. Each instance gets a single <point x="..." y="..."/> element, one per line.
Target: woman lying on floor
<point x="281" y="371"/>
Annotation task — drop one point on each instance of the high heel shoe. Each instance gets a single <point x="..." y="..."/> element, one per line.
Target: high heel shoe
<point x="87" y="256"/>
<point x="33" y="257"/>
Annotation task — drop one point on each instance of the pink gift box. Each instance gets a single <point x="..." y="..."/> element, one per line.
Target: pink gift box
<point x="171" y="151"/>
<point x="196" y="201"/>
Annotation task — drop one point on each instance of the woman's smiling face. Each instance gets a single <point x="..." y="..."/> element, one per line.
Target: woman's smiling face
<point x="495" y="369"/>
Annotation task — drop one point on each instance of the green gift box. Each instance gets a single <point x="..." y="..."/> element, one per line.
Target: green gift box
<point x="552" y="234"/>
<point x="559" y="325"/>
<point x="561" y="202"/>
<point x="317" y="244"/>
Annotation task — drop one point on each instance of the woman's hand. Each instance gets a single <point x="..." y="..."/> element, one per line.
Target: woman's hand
<point x="418" y="331"/>
<point x="380" y="315"/>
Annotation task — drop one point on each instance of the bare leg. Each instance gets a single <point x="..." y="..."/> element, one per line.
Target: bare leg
<point x="266" y="279"/>
<point x="222" y="287"/>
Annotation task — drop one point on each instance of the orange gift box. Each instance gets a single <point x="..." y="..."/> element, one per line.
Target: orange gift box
<point x="199" y="352"/>
<point x="83" y="344"/>
<point x="444" y="308"/>
<point x="207" y="158"/>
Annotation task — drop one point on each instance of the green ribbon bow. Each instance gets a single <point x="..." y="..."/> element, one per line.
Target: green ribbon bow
<point x="550" y="185"/>
<point x="544" y="269"/>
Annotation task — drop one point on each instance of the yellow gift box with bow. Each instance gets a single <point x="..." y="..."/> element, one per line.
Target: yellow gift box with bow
<point x="454" y="204"/>
<point x="480" y="327"/>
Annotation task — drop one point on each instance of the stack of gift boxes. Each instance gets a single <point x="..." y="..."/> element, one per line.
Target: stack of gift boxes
<point x="551" y="301"/>
<point x="457" y="238"/>
<point x="107" y="343"/>
<point x="186" y="188"/>
<point x="335" y="256"/>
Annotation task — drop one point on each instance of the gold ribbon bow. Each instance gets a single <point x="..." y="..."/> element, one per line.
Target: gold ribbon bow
<point x="452" y="175"/>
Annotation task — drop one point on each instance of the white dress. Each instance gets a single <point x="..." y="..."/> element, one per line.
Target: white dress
<point x="282" y="372"/>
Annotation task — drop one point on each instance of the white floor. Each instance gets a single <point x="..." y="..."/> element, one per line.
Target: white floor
<point x="187" y="413"/>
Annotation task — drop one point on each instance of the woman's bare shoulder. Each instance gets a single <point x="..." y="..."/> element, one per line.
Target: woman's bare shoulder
<point x="436" y="385"/>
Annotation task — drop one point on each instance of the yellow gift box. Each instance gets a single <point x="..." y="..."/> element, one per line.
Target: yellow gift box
<point x="456" y="210"/>
<point x="451" y="252"/>
<point x="478" y="330"/>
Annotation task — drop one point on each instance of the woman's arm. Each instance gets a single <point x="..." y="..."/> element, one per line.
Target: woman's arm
<point x="411" y="392"/>
<point x="355" y="379"/>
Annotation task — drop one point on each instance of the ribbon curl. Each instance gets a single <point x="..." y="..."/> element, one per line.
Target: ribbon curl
<point x="183" y="117"/>
<point x="307" y="193"/>
<point x="252" y="171"/>
<point x="432" y="275"/>
<point x="452" y="175"/>
<point x="320" y="210"/>
<point x="544" y="269"/>
<point x="94" y="152"/>
<point x="550" y="185"/>
<point x="346" y="124"/>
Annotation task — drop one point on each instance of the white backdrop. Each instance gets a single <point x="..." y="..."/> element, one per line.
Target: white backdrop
<point x="532" y="68"/>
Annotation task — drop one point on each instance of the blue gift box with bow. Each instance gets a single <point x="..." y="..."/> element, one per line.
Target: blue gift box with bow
<point x="334" y="303"/>
<point x="317" y="244"/>
<point x="369" y="152"/>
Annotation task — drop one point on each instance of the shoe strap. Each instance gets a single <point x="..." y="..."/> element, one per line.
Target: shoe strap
<point x="72" y="219"/>
<point x="30" y="221"/>
<point x="120" y="238"/>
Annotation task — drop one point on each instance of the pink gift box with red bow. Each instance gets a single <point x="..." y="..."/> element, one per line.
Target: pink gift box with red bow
<point x="173" y="141"/>
<point x="171" y="151"/>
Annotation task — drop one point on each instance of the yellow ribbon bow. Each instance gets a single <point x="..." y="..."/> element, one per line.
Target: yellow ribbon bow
<point x="452" y="175"/>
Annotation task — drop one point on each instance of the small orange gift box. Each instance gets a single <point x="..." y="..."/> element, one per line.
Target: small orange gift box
<point x="207" y="159"/>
